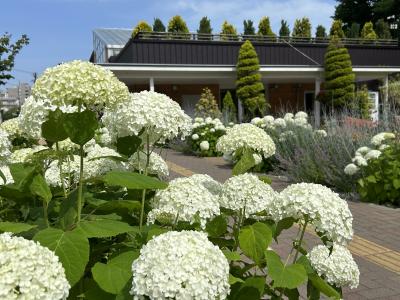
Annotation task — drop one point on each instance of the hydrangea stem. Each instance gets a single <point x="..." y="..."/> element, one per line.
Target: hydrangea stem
<point x="145" y="173"/>
<point x="80" y="188"/>
<point x="61" y="173"/>
<point x="300" y="240"/>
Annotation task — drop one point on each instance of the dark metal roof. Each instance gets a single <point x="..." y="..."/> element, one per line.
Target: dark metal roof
<point x="200" y="52"/>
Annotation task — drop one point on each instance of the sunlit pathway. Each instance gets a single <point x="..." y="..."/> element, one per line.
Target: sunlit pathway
<point x="376" y="245"/>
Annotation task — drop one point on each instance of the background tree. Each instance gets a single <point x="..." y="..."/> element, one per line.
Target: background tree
<point x="363" y="103"/>
<point x="177" y="25"/>
<point x="205" y="26"/>
<point x="248" y="27"/>
<point x="229" y="111"/>
<point x="284" y="30"/>
<point x="320" y="32"/>
<point x="382" y="29"/>
<point x="228" y="31"/>
<point x="158" y="25"/>
<point x="354" y="31"/>
<point x="350" y="11"/>
<point x="207" y="105"/>
<point x="140" y="27"/>
<point x="337" y="29"/>
<point x="368" y="32"/>
<point x="8" y="52"/>
<point x="339" y="76"/>
<point x="385" y="8"/>
<point x="249" y="87"/>
<point x="264" y="27"/>
<point x="302" y="28"/>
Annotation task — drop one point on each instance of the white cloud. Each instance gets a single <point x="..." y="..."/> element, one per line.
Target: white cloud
<point x="235" y="11"/>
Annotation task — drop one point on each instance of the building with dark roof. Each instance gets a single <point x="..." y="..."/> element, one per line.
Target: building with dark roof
<point x="181" y="65"/>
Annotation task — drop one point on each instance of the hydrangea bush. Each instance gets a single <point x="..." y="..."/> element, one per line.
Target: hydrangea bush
<point x="204" y="136"/>
<point x="375" y="169"/>
<point x="106" y="226"/>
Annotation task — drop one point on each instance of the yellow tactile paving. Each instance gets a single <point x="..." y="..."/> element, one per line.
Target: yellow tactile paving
<point x="375" y="253"/>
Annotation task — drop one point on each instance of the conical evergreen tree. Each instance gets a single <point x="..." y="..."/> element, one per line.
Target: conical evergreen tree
<point x="249" y="87"/>
<point x="382" y="29"/>
<point x="264" y="27"/>
<point x="228" y="31"/>
<point x="207" y="105"/>
<point x="177" y="25"/>
<point x="363" y="103"/>
<point x="158" y="25"/>
<point x="248" y="27"/>
<point x="229" y="111"/>
<point x="205" y="29"/>
<point x="337" y="29"/>
<point x="140" y="27"/>
<point x="339" y="76"/>
<point x="302" y="28"/>
<point x="284" y="31"/>
<point x="368" y="32"/>
<point x="320" y="32"/>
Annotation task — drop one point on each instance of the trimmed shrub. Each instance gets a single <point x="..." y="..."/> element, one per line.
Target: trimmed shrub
<point x="229" y="110"/>
<point x="339" y="76"/>
<point x="368" y="32"/>
<point x="207" y="105"/>
<point x="264" y="27"/>
<point x="204" y="27"/>
<point x="141" y="26"/>
<point x="249" y="88"/>
<point x="284" y="30"/>
<point x="302" y="28"/>
<point x="177" y="25"/>
<point x="228" y="32"/>
<point x="158" y="25"/>
<point x="363" y="103"/>
<point x="337" y="30"/>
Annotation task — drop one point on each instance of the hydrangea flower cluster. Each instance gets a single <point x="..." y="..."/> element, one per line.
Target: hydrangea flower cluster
<point x="24" y="155"/>
<point x="30" y="271"/>
<point x="246" y="136"/>
<point x="324" y="209"/>
<point x="70" y="172"/>
<point x="180" y="265"/>
<point x="247" y="193"/>
<point x="378" y="139"/>
<point x="300" y="119"/>
<point x="98" y="163"/>
<point x="34" y="113"/>
<point x="157" y="165"/>
<point x="7" y="174"/>
<point x="185" y="199"/>
<point x="161" y="116"/>
<point x="80" y="82"/>
<point x="5" y="146"/>
<point x="338" y="267"/>
<point x="11" y="126"/>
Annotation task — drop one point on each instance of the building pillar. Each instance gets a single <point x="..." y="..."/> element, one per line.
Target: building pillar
<point x="385" y="102"/>
<point x="317" y="104"/>
<point x="152" y="84"/>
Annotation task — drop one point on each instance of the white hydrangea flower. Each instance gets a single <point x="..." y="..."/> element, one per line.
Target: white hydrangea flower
<point x="7" y="174"/>
<point x="30" y="271"/>
<point x="212" y="130"/>
<point x="199" y="120"/>
<point x="5" y="146"/>
<point x="204" y="146"/>
<point x="269" y="120"/>
<point x="288" y="116"/>
<point x="301" y="115"/>
<point x="66" y="145"/>
<point x="279" y="122"/>
<point x="321" y="133"/>
<point x="157" y="164"/>
<point x="257" y="158"/>
<point x="103" y="137"/>
<point x="246" y="192"/>
<point x="159" y="114"/>
<point x="302" y="122"/>
<point x="338" y="268"/>
<point x="34" y="112"/>
<point x="185" y="199"/>
<point x="383" y="147"/>
<point x="362" y="151"/>
<point x="11" y="126"/>
<point x="68" y="83"/>
<point x="96" y="162"/>
<point x="360" y="161"/>
<point x="180" y="265"/>
<point x="246" y="136"/>
<point x="25" y="155"/>
<point x="372" y="154"/>
<point x="195" y="137"/>
<point x="286" y="135"/>
<point x="70" y="171"/>
<point x="325" y="210"/>
<point x="351" y="169"/>
<point x="381" y="137"/>
<point x="213" y="186"/>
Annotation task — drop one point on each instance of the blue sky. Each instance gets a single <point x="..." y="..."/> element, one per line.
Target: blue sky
<point x="61" y="30"/>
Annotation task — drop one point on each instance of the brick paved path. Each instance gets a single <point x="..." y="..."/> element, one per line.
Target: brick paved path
<point x="375" y="247"/>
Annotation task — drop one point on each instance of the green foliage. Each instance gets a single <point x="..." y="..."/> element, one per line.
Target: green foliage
<point x="284" y="30"/>
<point x="133" y="181"/>
<point x="103" y="228"/>
<point x="264" y="27"/>
<point x="53" y="129"/>
<point x="249" y="87"/>
<point x="8" y="52"/>
<point x="80" y="126"/>
<point x="229" y="111"/>
<point x="363" y="102"/>
<point x="353" y="12"/>
<point x="206" y="131"/>
<point x="382" y="29"/>
<point x="141" y="27"/>
<point x="368" y="32"/>
<point x="245" y="163"/>
<point x="204" y="28"/>
<point x="15" y="227"/>
<point x="158" y="25"/>
<point x="320" y="32"/>
<point x="248" y="27"/>
<point x="339" y="76"/>
<point x="177" y="25"/>
<point x="128" y="145"/>
<point x="228" y="32"/>
<point x="217" y="226"/>
<point x="254" y="240"/>
<point x="302" y="28"/>
<point x="353" y="32"/>
<point x="380" y="181"/>
<point x="207" y="105"/>
<point x="337" y="30"/>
